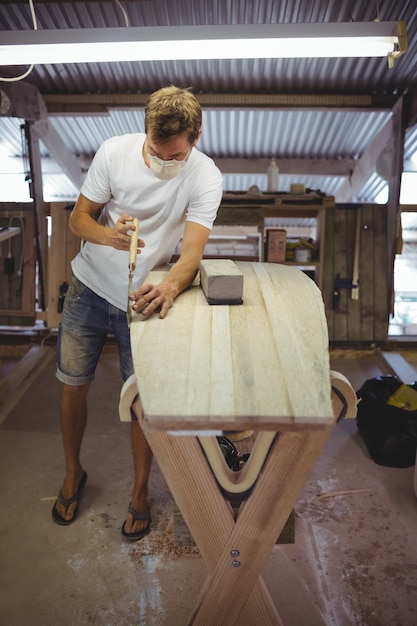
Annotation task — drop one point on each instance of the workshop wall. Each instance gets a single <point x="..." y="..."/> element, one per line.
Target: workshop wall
<point x="366" y="318"/>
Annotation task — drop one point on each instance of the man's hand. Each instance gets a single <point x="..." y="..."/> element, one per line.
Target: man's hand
<point x="118" y="235"/>
<point x="84" y="225"/>
<point x="150" y="298"/>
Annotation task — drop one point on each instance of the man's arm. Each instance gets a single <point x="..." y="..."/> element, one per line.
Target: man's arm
<point x="84" y="225"/>
<point x="149" y="297"/>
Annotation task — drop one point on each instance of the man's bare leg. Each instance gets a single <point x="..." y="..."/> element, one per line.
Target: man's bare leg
<point x="142" y="459"/>
<point x="73" y="422"/>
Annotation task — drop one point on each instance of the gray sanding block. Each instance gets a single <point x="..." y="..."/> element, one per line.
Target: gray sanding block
<point x="221" y="281"/>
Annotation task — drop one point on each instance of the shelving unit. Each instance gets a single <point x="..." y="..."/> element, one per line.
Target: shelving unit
<point x="244" y="243"/>
<point x="300" y="215"/>
<point x="301" y="219"/>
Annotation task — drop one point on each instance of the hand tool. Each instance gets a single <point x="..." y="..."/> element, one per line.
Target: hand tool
<point x="133" y="249"/>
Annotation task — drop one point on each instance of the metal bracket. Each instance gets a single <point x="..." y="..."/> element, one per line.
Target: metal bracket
<point x="341" y="283"/>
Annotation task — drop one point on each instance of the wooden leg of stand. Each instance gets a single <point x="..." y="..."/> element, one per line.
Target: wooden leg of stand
<point x="207" y="514"/>
<point x="282" y="479"/>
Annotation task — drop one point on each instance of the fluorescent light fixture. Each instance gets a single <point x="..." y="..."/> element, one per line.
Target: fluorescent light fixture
<point x="165" y="43"/>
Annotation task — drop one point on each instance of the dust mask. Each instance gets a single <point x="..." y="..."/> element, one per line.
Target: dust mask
<point x="165" y="170"/>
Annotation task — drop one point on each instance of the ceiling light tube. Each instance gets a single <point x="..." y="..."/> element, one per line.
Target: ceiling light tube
<point x="164" y="43"/>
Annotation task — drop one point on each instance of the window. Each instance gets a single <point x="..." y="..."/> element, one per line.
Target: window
<point x="404" y="320"/>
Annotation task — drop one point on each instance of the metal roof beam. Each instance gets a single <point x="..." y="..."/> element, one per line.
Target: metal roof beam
<point x="78" y="104"/>
<point x="365" y="166"/>
<point x="57" y="149"/>
<point x="312" y="167"/>
<point x="24" y="101"/>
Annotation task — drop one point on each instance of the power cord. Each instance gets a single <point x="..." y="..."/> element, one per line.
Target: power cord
<point x="29" y="70"/>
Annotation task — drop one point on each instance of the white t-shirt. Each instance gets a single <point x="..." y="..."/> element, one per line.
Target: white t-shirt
<point x="119" y="178"/>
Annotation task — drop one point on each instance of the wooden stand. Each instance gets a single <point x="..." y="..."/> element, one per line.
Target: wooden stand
<point x="263" y="365"/>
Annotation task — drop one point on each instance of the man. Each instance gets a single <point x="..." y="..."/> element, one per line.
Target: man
<point x="174" y="190"/>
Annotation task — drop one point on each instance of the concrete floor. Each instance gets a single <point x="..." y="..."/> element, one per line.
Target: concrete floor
<point x="354" y="561"/>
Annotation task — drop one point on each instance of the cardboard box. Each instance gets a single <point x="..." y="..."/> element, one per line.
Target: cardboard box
<point x="276" y="244"/>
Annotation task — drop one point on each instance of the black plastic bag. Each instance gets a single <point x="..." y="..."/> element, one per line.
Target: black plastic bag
<point x="389" y="432"/>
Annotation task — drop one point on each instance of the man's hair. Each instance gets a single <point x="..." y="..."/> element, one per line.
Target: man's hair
<point x="171" y="112"/>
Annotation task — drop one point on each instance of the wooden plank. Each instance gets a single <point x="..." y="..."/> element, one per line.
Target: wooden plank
<point x="299" y="201"/>
<point x="63" y="248"/>
<point x="380" y="281"/>
<point x="328" y="271"/>
<point x="367" y="271"/>
<point x="321" y="241"/>
<point x="263" y="349"/>
<point x="24" y="375"/>
<point x="353" y="317"/>
<point x="399" y="367"/>
<point x="340" y="234"/>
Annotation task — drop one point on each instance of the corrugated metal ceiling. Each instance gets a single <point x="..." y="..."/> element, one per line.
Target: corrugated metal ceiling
<point x="240" y="132"/>
<point x="245" y="134"/>
<point x="263" y="75"/>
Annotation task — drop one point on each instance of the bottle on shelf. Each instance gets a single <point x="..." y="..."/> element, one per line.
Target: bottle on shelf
<point x="272" y="175"/>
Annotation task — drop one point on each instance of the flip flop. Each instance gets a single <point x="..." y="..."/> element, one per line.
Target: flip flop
<point x="136" y="517"/>
<point x="66" y="502"/>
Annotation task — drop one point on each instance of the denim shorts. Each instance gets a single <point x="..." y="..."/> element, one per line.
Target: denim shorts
<point x="87" y="319"/>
